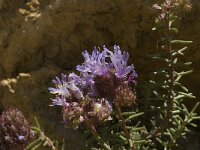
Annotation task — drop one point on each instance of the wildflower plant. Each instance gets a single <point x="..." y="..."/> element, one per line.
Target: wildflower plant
<point x="101" y="95"/>
<point x="173" y="120"/>
<point x="42" y="141"/>
<point x="101" y="88"/>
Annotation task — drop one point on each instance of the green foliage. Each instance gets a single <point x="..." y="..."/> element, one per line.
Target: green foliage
<point x="121" y="132"/>
<point x="173" y="119"/>
<point x="41" y="141"/>
<point x="165" y="119"/>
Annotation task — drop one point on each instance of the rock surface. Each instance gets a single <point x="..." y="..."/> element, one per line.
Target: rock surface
<point x="49" y="40"/>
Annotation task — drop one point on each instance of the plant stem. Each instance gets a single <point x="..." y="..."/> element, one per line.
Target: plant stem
<point x="171" y="75"/>
<point x="93" y="130"/>
<point x="124" y="128"/>
<point x="50" y="143"/>
<point x="43" y="136"/>
<point x="179" y="131"/>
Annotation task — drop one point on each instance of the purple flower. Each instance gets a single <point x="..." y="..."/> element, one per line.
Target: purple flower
<point x="21" y="138"/>
<point x="94" y="63"/>
<point x="119" y="61"/>
<point x="73" y="77"/>
<point x="60" y="86"/>
<point x="85" y="80"/>
<point x="101" y="74"/>
<point x="77" y="93"/>
<point x="59" y="101"/>
<point x="65" y="89"/>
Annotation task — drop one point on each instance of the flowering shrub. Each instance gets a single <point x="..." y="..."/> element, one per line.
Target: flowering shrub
<point x="104" y="79"/>
<point x="102" y="94"/>
<point x="105" y="86"/>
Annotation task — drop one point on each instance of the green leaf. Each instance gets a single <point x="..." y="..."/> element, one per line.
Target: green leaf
<point x="181" y="42"/>
<point x="193" y="125"/>
<point x="46" y="143"/>
<point x="172" y="21"/>
<point x="160" y="141"/>
<point x="175" y="30"/>
<point x="175" y="60"/>
<point x="56" y="144"/>
<point x="63" y="145"/>
<point x="188" y="63"/>
<point x="122" y="137"/>
<point x="154" y="28"/>
<point x="140" y="142"/>
<point x="33" y="144"/>
<point x="170" y="134"/>
<point x="185" y="72"/>
<point x="195" y="107"/>
<point x="37" y="146"/>
<point x="176" y="112"/>
<point x="37" y="123"/>
<point x="36" y="129"/>
<point x="155" y="93"/>
<point x="198" y="117"/>
<point x="180" y="51"/>
<point x="128" y="113"/>
<point x="137" y="129"/>
<point x="181" y="86"/>
<point x="134" y="116"/>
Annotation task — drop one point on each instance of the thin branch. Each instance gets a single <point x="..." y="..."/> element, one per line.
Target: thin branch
<point x="93" y="130"/>
<point x="124" y="128"/>
<point x="171" y="76"/>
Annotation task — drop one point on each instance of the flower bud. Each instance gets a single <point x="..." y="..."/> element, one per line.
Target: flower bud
<point x="15" y="130"/>
<point x="124" y="95"/>
<point x="72" y="114"/>
<point x="106" y="85"/>
<point x="101" y="110"/>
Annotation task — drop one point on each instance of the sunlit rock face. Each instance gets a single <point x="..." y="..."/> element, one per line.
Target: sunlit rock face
<point x="37" y="44"/>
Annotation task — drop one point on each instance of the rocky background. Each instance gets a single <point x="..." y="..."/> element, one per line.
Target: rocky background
<point x="41" y="39"/>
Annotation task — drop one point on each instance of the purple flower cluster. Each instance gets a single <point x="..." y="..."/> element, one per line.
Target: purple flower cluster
<point x="89" y="95"/>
